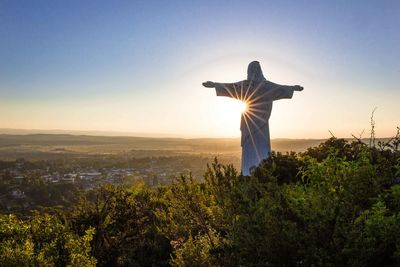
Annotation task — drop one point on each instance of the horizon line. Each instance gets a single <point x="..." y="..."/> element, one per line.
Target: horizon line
<point x="104" y="133"/>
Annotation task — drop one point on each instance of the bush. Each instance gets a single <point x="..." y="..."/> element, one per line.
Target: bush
<point x="42" y="241"/>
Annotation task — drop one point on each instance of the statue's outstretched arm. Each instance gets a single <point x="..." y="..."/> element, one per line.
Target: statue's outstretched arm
<point x="271" y="85"/>
<point x="298" y="88"/>
<point x="276" y="91"/>
<point x="209" y="84"/>
<point x="234" y="90"/>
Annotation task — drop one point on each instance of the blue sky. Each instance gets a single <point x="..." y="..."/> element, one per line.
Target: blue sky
<point x="138" y="65"/>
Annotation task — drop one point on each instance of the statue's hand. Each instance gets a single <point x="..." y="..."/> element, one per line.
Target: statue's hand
<point x="298" y="88"/>
<point x="209" y="84"/>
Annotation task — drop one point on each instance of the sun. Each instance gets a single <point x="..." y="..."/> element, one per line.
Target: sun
<point x="229" y="111"/>
<point x="236" y="106"/>
<point x="242" y="106"/>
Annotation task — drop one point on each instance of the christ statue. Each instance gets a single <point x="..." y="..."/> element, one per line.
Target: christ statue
<point x="258" y="93"/>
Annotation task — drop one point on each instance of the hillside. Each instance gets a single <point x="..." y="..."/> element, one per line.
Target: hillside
<point x="46" y="145"/>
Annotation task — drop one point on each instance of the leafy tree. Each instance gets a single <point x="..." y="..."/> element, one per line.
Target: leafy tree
<point x="42" y="241"/>
<point x="126" y="227"/>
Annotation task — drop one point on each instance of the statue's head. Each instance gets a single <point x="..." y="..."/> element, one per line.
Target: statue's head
<point x="254" y="72"/>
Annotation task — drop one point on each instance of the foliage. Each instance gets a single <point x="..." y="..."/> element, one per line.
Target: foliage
<point x="126" y="231"/>
<point x="318" y="208"/>
<point x="42" y="241"/>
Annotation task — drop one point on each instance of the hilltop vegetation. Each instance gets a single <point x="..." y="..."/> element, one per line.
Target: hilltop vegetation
<point x="337" y="204"/>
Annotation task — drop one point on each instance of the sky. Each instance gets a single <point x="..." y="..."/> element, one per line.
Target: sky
<point x="137" y="66"/>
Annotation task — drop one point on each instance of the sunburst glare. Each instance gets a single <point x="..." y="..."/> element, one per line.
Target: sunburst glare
<point x="242" y="106"/>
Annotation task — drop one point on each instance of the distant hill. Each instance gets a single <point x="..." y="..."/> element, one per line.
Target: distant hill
<point x="91" y="133"/>
<point x="203" y="144"/>
<point x="46" y="145"/>
<point x="43" y="146"/>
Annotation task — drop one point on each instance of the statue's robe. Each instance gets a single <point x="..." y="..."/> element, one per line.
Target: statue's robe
<point x="255" y="140"/>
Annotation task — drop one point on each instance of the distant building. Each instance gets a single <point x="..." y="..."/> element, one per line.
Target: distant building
<point x="18" y="194"/>
<point x="69" y="180"/>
